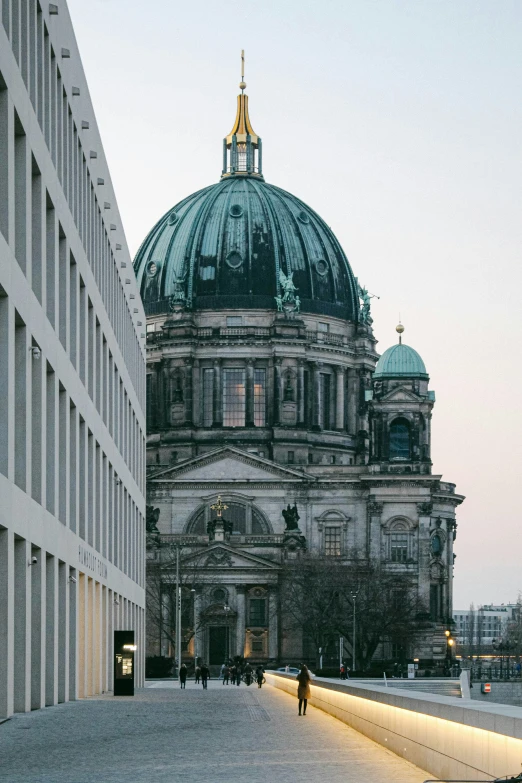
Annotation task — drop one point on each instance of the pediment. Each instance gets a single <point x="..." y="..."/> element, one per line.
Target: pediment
<point x="228" y="464"/>
<point x="400" y="394"/>
<point x="222" y="556"/>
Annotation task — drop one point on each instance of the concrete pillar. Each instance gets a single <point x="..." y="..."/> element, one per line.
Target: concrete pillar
<point x="339" y="399"/>
<point x="217" y="395"/>
<point x="273" y="624"/>
<point x="187" y="390"/>
<point x="6" y="621"/>
<point x="51" y="632"/>
<point x="73" y="637"/>
<point x="198" y="630"/>
<point x="63" y="632"/>
<point x="22" y="626"/>
<point x="38" y="620"/>
<point x="250" y="393"/>
<point x="300" y="394"/>
<point x="241" y="620"/>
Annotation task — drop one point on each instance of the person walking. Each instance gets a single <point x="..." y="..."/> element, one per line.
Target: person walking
<point x="205" y="674"/>
<point x="260" y="675"/>
<point x="233" y="670"/>
<point x="303" y="690"/>
<point x="183" y="675"/>
<point x="239" y="672"/>
<point x="248" y="674"/>
<point x="226" y="674"/>
<point x="343" y="672"/>
<point x="197" y="674"/>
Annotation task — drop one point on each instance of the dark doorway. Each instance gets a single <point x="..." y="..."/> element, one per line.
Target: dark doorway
<point x="217" y="644"/>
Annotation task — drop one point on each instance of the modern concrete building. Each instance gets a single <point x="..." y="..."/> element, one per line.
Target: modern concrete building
<point x="72" y="385"/>
<point x="485" y="624"/>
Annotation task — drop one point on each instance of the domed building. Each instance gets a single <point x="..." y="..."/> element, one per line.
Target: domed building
<point x="266" y="395"/>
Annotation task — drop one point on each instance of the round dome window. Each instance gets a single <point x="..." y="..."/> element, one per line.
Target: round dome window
<point x="303" y="217"/>
<point x="173" y="218"/>
<point x="321" y="266"/>
<point x="152" y="269"/>
<point x="234" y="259"/>
<point x="236" y="210"/>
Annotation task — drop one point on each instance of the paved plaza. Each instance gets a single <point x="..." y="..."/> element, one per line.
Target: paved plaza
<point x="165" y="734"/>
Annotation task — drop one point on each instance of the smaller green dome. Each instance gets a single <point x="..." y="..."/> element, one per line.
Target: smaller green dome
<point x="400" y="361"/>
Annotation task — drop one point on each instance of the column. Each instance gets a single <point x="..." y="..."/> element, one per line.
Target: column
<point x="196" y="394"/>
<point x="352" y="401"/>
<point x="63" y="632"/>
<point x="250" y="393"/>
<point x="73" y="637"/>
<point x="316" y="395"/>
<point x="273" y="624"/>
<point x="38" y="630"/>
<point x="6" y="621"/>
<point x="241" y="620"/>
<point x="22" y="626"/>
<point x="217" y="395"/>
<point x="187" y="390"/>
<point x="300" y="394"/>
<point x="339" y="399"/>
<point x="198" y="636"/>
<point x="277" y="391"/>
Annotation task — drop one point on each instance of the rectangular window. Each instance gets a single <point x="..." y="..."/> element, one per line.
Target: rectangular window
<point x="233" y="398"/>
<point x="234" y="320"/>
<point x="332" y="541"/>
<point x="290" y="458"/>
<point x="322" y="327"/>
<point x="399" y="547"/>
<point x="259" y="398"/>
<point x="208" y="393"/>
<point x="325" y="401"/>
<point x="258" y="612"/>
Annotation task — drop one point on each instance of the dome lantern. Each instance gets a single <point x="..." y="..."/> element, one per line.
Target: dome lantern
<point x="242" y="149"/>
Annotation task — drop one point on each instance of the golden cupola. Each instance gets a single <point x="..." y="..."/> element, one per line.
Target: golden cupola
<point x="242" y="156"/>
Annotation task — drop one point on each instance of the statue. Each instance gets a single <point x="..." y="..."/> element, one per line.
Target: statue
<point x="287" y="284"/>
<point x="279" y="303"/>
<point x="178" y="300"/>
<point x="291" y="517"/>
<point x="151" y="527"/>
<point x="364" y="313"/>
<point x="297" y="302"/>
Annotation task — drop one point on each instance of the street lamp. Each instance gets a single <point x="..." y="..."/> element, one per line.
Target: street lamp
<point x="193" y="591"/>
<point x="354" y="594"/>
<point x="449" y="648"/>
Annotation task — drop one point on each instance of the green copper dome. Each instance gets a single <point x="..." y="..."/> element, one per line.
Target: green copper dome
<point x="400" y="361"/>
<point x="232" y="245"/>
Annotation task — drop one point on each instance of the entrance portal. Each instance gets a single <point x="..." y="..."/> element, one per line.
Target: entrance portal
<point x="217" y="644"/>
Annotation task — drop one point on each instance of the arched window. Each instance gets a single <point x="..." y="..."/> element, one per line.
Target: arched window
<point x="246" y="519"/>
<point x="400" y="440"/>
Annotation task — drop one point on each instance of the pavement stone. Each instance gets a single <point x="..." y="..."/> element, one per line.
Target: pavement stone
<point x="168" y="735"/>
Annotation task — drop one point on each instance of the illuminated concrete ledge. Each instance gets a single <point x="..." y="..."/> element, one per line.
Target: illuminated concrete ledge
<point x="447" y="737"/>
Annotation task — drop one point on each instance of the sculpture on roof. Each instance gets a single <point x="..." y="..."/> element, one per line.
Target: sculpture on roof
<point x="291" y="517"/>
<point x="289" y="302"/>
<point x="364" y="313"/>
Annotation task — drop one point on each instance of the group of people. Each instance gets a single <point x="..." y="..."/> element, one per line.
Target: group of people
<point x="202" y="674"/>
<point x="345" y="671"/>
<point x="235" y="673"/>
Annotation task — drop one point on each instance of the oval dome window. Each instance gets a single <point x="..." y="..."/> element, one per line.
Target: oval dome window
<point x="152" y="269"/>
<point x="173" y="218"/>
<point x="303" y="217"/>
<point x="234" y="259"/>
<point x="321" y="266"/>
<point x="236" y="210"/>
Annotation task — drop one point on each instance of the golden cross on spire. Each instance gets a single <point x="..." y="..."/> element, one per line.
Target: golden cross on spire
<point x="242" y="84"/>
<point x="219" y="507"/>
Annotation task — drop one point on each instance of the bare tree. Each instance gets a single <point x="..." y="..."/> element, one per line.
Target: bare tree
<point x="470" y="628"/>
<point x="318" y="595"/>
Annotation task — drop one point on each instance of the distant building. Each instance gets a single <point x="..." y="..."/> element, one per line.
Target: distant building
<point x="72" y="382"/>
<point x="264" y="387"/>
<point x="484" y="624"/>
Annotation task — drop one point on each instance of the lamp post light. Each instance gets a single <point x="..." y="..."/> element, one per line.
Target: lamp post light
<point x="354" y="594"/>
<point x="178" y="611"/>
<point x="193" y="591"/>
<point x="449" y="648"/>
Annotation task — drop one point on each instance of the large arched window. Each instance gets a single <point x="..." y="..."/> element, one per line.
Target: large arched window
<point x="246" y="519"/>
<point x="400" y="439"/>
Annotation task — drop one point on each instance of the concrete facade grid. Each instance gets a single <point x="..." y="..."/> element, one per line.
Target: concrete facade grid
<point x="72" y="394"/>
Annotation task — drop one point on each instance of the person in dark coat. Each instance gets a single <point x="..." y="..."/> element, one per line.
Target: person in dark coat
<point x="226" y="674"/>
<point x="205" y="674"/>
<point x="183" y="675"/>
<point x="197" y="673"/>
<point x="303" y="690"/>
<point x="239" y="673"/>
<point x="260" y="675"/>
<point x="233" y="670"/>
